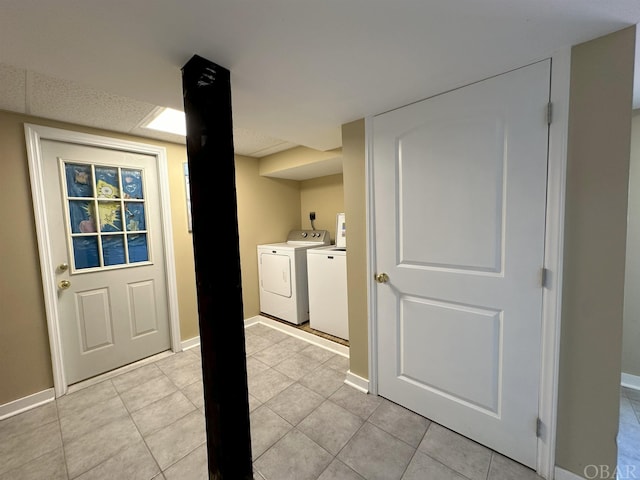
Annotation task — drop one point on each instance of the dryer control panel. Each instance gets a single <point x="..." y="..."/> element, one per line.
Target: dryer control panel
<point x="319" y="237"/>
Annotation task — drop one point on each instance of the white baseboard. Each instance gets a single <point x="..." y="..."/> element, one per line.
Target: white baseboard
<point x="630" y="381"/>
<point x="357" y="382"/>
<point x="562" y="474"/>
<point x="26" y="403"/>
<point x="301" y="334"/>
<point x="191" y="343"/>
<point x="291" y="330"/>
<point x="252" y="321"/>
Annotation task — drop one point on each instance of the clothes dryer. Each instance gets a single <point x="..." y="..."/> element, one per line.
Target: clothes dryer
<point x="282" y="271"/>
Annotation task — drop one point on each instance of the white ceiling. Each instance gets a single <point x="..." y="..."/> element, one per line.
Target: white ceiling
<point x="299" y="68"/>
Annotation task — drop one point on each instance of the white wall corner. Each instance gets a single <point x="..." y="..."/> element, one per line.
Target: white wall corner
<point x="630" y="381"/>
<point x="357" y="382"/>
<point x="27" y="403"/>
<point x="252" y="321"/>
<point x="191" y="343"/>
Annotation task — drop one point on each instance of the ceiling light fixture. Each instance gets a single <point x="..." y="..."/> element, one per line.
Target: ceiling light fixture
<point x="166" y="120"/>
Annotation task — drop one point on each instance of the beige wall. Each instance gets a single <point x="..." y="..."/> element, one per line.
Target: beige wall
<point x="355" y="205"/>
<point x="267" y="209"/>
<point x="594" y="250"/>
<point x="325" y="197"/>
<point x="24" y="345"/>
<point x="631" y="328"/>
<point x="24" y="342"/>
<point x="183" y="246"/>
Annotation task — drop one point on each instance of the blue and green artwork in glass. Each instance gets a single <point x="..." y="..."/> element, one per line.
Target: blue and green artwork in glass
<point x="113" y="250"/>
<point x="79" y="180"/>
<point x="134" y="215"/>
<point x="138" y="249"/>
<point x="85" y="252"/>
<point x="82" y="216"/>
<point x="132" y="184"/>
<point x="110" y="216"/>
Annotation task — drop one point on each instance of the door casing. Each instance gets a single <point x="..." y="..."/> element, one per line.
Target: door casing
<point x="34" y="134"/>
<point x="554" y="239"/>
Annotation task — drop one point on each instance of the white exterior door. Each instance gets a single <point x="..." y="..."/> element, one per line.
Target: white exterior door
<point x="459" y="210"/>
<point x="103" y="211"/>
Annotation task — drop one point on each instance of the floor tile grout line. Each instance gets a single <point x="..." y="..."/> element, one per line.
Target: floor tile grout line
<point x="43" y="453"/>
<point x="151" y="432"/>
<point x="39" y="425"/>
<point x="325" y="398"/>
<point x="183" y="457"/>
<point x="65" y="398"/>
<point x="368" y="420"/>
<point x="406" y="467"/>
<point x="449" y="467"/>
<point x="144" y="441"/>
<point x="129" y="411"/>
<point x="99" y="463"/>
<point x="121" y="449"/>
<point x="293" y="426"/>
<point x="128" y="414"/>
<point x="490" y="464"/>
<point x="364" y="422"/>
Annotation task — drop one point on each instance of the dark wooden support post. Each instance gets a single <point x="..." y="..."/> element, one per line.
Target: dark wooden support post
<point x="207" y="104"/>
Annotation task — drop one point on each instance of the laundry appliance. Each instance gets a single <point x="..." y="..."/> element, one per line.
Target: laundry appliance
<point x="327" y="277"/>
<point x="282" y="271"/>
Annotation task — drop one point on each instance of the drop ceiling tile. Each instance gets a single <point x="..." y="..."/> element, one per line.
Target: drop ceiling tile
<point x="71" y="102"/>
<point x="12" y="88"/>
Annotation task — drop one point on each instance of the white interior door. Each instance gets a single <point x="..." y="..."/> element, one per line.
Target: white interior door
<point x="459" y="209"/>
<point x="103" y="209"/>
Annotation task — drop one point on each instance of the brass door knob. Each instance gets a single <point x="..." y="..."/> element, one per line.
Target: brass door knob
<point x="64" y="284"/>
<point x="381" y="277"/>
<point x="63" y="267"/>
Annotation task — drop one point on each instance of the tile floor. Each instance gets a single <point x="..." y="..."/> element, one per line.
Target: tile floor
<point x="629" y="434"/>
<point x="306" y="423"/>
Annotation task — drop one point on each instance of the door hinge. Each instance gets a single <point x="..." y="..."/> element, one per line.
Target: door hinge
<point x="539" y="428"/>
<point x="549" y="113"/>
<point x="544" y="277"/>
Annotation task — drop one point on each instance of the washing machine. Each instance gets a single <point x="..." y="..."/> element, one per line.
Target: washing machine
<point x="328" y="307"/>
<point x="282" y="271"/>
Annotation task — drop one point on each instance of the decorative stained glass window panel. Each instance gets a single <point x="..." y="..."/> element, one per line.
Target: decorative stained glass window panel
<point x="132" y="184"/>
<point x="138" y="249"/>
<point x="79" y="180"/>
<point x="113" y="250"/>
<point x="107" y="185"/>
<point x="85" y="252"/>
<point x="82" y="216"/>
<point x="110" y="216"/>
<point x="134" y="215"/>
<point x="106" y="211"/>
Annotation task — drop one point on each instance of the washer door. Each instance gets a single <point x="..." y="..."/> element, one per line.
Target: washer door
<point x="275" y="274"/>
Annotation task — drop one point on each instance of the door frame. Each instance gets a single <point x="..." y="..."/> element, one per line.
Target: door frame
<point x="553" y="258"/>
<point x="34" y="134"/>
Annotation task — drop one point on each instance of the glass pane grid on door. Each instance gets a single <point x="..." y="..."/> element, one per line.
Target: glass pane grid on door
<point x="106" y="216"/>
